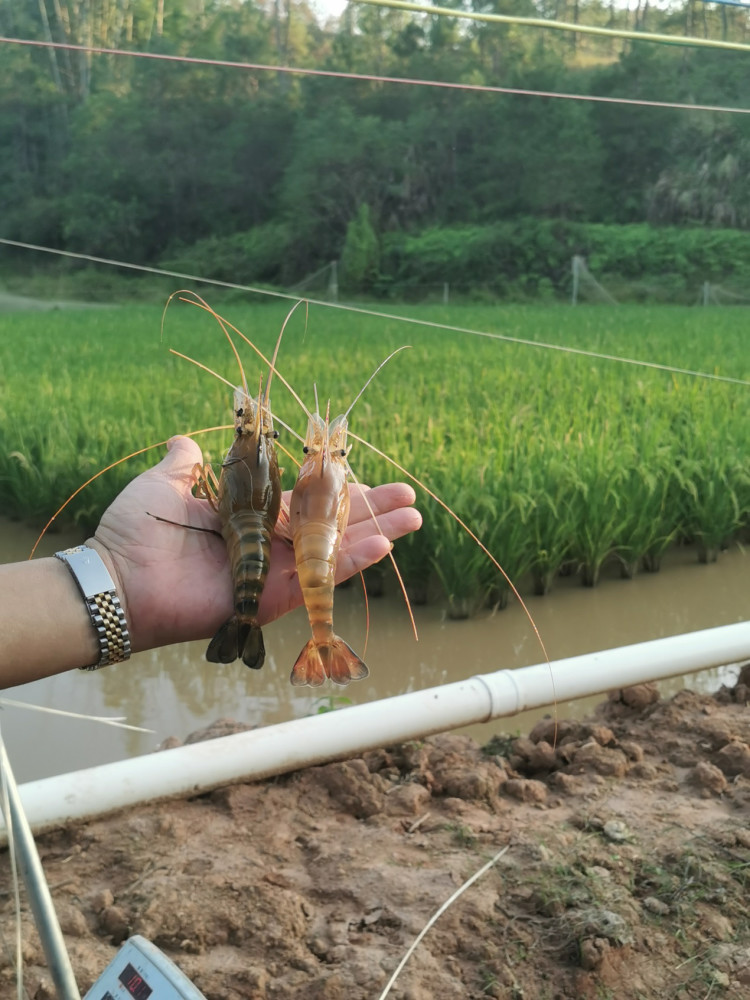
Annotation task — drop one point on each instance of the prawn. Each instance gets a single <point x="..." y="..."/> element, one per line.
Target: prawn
<point x="318" y="515"/>
<point x="247" y="499"/>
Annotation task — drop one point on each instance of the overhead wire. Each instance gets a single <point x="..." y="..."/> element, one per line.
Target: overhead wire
<point x="689" y="41"/>
<point x="433" y="11"/>
<point x="379" y="314"/>
<point x="371" y="77"/>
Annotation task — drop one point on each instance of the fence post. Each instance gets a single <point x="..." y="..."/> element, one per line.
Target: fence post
<point x="576" y="268"/>
<point x="333" y="284"/>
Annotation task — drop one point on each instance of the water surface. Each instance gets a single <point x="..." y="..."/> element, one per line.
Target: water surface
<point x="174" y="691"/>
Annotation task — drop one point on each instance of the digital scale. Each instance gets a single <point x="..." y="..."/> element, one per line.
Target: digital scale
<point x="139" y="971"/>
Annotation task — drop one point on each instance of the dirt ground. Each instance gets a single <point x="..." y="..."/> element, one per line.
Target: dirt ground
<point x="625" y="875"/>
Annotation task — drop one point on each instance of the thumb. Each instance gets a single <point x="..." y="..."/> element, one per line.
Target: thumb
<point x="182" y="451"/>
<point x="182" y="455"/>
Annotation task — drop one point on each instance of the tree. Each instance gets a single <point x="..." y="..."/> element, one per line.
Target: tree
<point x="360" y="257"/>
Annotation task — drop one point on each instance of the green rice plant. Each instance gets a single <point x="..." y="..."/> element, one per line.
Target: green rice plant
<point x="710" y="507"/>
<point x="470" y="580"/>
<point x="650" y="517"/>
<point x="455" y="559"/>
<point x="597" y="503"/>
<point x="548" y="457"/>
<point x="414" y="562"/>
<point x="547" y="517"/>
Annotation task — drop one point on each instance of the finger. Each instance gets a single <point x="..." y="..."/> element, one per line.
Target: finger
<point x="379" y="500"/>
<point x="177" y="465"/>
<point x="392" y="525"/>
<point x="359" y="556"/>
<point x="182" y="453"/>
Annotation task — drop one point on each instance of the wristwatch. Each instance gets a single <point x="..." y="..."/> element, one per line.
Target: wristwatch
<point x="102" y="602"/>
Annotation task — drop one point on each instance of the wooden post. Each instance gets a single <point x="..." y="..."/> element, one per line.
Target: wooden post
<point x="333" y="284"/>
<point x="576" y="267"/>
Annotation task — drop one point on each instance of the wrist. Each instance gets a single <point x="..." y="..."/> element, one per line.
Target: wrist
<point x="114" y="571"/>
<point x="97" y="589"/>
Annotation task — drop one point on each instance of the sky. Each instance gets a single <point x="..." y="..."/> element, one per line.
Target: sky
<point x="328" y="8"/>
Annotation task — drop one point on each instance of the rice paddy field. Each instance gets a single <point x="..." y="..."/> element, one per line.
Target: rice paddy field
<point x="559" y="462"/>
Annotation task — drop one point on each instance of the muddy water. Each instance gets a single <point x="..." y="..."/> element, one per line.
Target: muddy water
<point x="174" y="691"/>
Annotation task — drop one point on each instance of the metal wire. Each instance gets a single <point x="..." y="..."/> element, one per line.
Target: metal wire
<point x="579" y="29"/>
<point x="374" y="78"/>
<point x="360" y="310"/>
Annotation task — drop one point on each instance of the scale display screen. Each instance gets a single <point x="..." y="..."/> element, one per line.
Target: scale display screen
<point x="134" y="983"/>
<point x="139" y="971"/>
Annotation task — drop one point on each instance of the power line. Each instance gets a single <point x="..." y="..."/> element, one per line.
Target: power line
<point x="371" y="78"/>
<point x="377" y="314"/>
<point x="582" y="29"/>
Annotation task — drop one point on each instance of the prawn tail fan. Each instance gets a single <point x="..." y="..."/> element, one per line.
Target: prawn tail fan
<point x="236" y="639"/>
<point x="335" y="660"/>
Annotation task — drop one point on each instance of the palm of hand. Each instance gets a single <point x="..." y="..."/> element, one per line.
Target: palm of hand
<point x="177" y="580"/>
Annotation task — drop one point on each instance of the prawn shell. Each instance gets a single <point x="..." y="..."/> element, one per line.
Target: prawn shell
<point x="249" y="500"/>
<point x="319" y="513"/>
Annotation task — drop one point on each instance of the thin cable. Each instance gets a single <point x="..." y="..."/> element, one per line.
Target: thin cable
<point x="438" y="913"/>
<point x="15" y="881"/>
<point x="581" y="29"/>
<point x="377" y="314"/>
<point x="372" y="78"/>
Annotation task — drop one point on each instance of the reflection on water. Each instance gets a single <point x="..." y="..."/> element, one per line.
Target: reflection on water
<point x="174" y="691"/>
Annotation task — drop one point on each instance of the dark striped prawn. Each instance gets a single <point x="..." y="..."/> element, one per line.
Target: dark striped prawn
<point x="247" y="499"/>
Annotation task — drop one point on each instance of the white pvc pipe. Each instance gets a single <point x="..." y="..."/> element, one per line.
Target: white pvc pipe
<point x="199" y="767"/>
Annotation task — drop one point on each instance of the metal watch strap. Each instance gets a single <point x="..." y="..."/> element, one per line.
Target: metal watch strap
<point x="98" y="590"/>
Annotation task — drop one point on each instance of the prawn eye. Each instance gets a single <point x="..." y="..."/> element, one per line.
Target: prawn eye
<point x="240" y="412"/>
<point x="305" y="450"/>
<point x="275" y="434"/>
<point x="343" y="453"/>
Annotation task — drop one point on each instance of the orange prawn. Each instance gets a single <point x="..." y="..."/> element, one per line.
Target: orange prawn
<point x="318" y="515"/>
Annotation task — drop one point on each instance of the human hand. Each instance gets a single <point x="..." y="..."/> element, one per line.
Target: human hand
<point x="175" y="582"/>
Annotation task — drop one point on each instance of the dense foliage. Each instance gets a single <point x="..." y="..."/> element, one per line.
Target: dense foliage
<point x="254" y="175"/>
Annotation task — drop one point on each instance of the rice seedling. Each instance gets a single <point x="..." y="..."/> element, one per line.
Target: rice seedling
<point x="548" y="457"/>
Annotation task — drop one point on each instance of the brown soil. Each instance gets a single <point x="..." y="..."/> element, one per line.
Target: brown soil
<point x="625" y="876"/>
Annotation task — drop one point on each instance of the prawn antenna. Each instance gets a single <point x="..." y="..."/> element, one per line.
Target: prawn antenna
<point x="404" y="347"/>
<point x="133" y="454"/>
<point x="197" y="301"/>
<point x="481" y="545"/>
<point x="205" y="368"/>
<point x="400" y="579"/>
<point x="272" y="367"/>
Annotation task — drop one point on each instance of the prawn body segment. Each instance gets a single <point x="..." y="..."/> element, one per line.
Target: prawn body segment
<point x="247" y="500"/>
<point x="319" y="512"/>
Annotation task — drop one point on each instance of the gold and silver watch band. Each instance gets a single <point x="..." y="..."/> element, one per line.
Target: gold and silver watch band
<point x="107" y="615"/>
